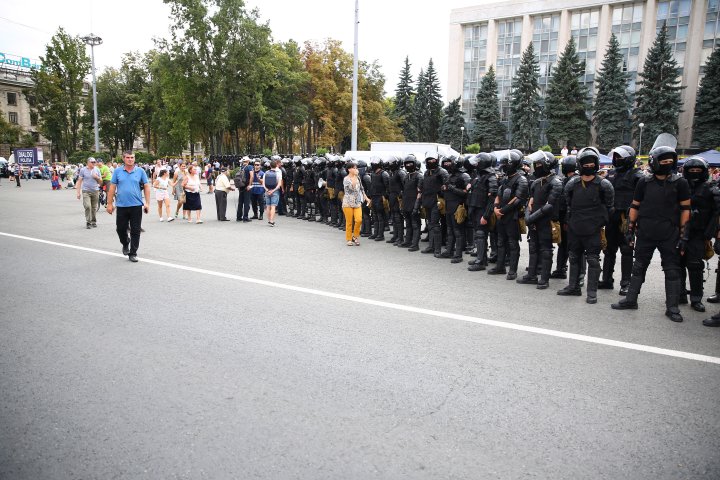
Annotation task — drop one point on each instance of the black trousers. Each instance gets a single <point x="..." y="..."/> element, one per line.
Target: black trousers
<point x="220" y="204"/>
<point x="670" y="261"/>
<point x="129" y="217"/>
<point x="616" y="240"/>
<point x="540" y="249"/>
<point x="455" y="235"/>
<point x="508" y="231"/>
<point x="692" y="263"/>
<point x="412" y="227"/>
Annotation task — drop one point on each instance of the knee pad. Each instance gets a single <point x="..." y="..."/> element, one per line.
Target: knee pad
<point x="593" y="261"/>
<point x="639" y="269"/>
<point x="672" y="274"/>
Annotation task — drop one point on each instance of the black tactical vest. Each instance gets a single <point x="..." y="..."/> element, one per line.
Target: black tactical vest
<point x="410" y="190"/>
<point x="587" y="208"/>
<point x="659" y="214"/>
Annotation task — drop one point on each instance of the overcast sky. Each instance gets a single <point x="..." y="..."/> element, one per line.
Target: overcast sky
<point x="389" y="29"/>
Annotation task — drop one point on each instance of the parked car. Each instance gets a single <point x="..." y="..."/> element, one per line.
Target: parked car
<point x="4" y="168"/>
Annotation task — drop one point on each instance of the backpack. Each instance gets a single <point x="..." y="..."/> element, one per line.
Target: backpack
<point x="239" y="179"/>
<point x="271" y="180"/>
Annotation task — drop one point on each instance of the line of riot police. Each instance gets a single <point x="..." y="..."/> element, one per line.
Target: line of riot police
<point x="482" y="204"/>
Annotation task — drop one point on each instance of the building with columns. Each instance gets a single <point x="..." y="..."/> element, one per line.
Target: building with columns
<point x="497" y="33"/>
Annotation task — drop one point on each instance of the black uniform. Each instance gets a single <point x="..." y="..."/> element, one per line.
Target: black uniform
<point x="589" y="205"/>
<point x="658" y="227"/>
<point x="455" y="193"/>
<point x="366" y="228"/>
<point x="546" y="194"/>
<point x="397" y="177"/>
<point x="624" y="181"/>
<point x="339" y="178"/>
<point x="299" y="177"/>
<point x="512" y="196"/>
<point x="379" y="184"/>
<point x="310" y="186"/>
<point x="411" y="182"/>
<point x="332" y="173"/>
<point x="430" y="187"/>
<point x="702" y="226"/>
<point x="481" y="201"/>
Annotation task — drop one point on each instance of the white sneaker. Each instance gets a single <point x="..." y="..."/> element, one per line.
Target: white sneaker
<point x="162" y="219"/>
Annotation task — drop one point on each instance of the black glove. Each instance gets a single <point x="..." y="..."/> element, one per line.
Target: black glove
<point x="716" y="246"/>
<point x="630" y="235"/>
<point x="682" y="244"/>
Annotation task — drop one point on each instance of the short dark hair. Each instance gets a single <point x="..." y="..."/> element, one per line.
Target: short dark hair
<point x="350" y="165"/>
<point x="273" y="163"/>
<point x="128" y="152"/>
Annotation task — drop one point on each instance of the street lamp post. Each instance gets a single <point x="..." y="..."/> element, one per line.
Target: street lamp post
<point x="641" y="125"/>
<point x="462" y="134"/>
<point x="354" y="127"/>
<point x="94" y="40"/>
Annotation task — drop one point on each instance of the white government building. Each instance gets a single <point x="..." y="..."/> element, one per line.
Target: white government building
<point x="496" y="33"/>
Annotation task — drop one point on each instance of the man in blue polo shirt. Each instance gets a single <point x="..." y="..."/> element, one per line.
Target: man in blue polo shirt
<point x="129" y="184"/>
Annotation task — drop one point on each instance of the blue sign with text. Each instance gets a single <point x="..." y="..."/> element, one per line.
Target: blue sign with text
<point x="27" y="157"/>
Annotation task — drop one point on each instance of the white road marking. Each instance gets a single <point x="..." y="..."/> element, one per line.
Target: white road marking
<point x="397" y="306"/>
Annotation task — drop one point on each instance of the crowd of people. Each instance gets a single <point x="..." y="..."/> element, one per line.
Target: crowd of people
<point x="478" y="205"/>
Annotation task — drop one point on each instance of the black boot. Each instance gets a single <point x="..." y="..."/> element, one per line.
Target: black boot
<point x="672" y="293"/>
<point x="593" y="275"/>
<point x="514" y="259"/>
<point x="572" y="289"/>
<point x="499" y="268"/>
<point x="630" y="300"/>
<point x="626" y="262"/>
<point x="480" y="262"/>
<point x="545" y="266"/>
<point x="713" y="321"/>
<point x="530" y="278"/>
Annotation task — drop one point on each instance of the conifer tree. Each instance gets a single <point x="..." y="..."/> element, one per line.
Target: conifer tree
<point x="420" y="108"/>
<point x="612" y="105"/>
<point x="524" y="106"/>
<point x="565" y="102"/>
<point x="658" y="98"/>
<point x="707" y="106"/>
<point x="488" y="130"/>
<point x="452" y="126"/>
<point x="403" y="110"/>
<point x="435" y="103"/>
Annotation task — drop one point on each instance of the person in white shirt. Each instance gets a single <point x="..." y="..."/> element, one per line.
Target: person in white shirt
<point x="564" y="152"/>
<point x="222" y="187"/>
<point x="162" y="194"/>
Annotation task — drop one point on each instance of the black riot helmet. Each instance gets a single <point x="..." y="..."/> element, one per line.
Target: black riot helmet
<point x="623" y="157"/>
<point x="393" y="164"/>
<point x="657" y="155"/>
<point x="509" y="162"/>
<point x="411" y="163"/>
<point x="696" y="171"/>
<point x="448" y="163"/>
<point x="470" y="163"/>
<point x="589" y="160"/>
<point x="362" y="167"/>
<point x="484" y="162"/>
<point x="459" y="163"/>
<point x="431" y="160"/>
<point x="375" y="163"/>
<point x="544" y="165"/>
<point x="568" y="165"/>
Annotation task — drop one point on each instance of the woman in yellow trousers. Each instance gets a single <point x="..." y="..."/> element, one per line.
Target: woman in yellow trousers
<point x="354" y="197"/>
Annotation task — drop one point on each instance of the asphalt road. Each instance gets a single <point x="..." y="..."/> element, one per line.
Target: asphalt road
<point x="227" y="353"/>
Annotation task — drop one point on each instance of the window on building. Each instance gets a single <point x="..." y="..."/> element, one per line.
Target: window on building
<point x="508" y="58"/>
<point x="627" y="27"/>
<point x="33" y="118"/>
<point x="475" y="44"/>
<point x="676" y="14"/>
<point x="12" y="98"/>
<point x="13" y="118"/>
<point x="584" y="30"/>
<point x="712" y="29"/>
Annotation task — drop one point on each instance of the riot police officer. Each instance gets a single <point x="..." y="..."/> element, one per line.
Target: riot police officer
<point x="511" y="198"/>
<point x="702" y="227"/>
<point x="590" y="201"/>
<point x="332" y="172"/>
<point x="624" y="178"/>
<point x="309" y="186"/>
<point x="568" y="168"/>
<point x="397" y="177"/>
<point x="298" y="178"/>
<point x="658" y="218"/>
<point x="410" y="185"/>
<point x="379" y="184"/>
<point x="432" y="181"/>
<point x="455" y="192"/>
<point x="339" y="178"/>
<point x="543" y="208"/>
<point x="366" y="228"/>
<point x="481" y="198"/>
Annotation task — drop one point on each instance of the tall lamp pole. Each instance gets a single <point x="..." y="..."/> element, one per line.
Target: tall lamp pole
<point x="94" y="40"/>
<point x="462" y="134"/>
<point x="353" y="141"/>
<point x="641" y="125"/>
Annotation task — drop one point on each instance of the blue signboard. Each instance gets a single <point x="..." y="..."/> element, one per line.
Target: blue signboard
<point x="14" y="60"/>
<point x="27" y="157"/>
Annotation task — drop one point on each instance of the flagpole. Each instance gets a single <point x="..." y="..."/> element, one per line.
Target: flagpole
<point x="353" y="142"/>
